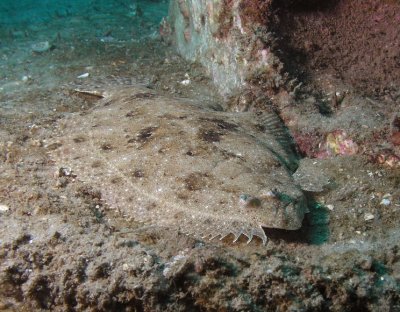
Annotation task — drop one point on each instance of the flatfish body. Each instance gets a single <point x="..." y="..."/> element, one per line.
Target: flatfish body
<point x="169" y="162"/>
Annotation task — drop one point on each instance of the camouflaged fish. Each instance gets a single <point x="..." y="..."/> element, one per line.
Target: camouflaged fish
<point x="170" y="162"/>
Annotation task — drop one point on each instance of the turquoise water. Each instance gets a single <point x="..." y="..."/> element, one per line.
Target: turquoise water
<point x="29" y="19"/>
<point x="33" y="11"/>
<point x="30" y="11"/>
<point x="49" y="43"/>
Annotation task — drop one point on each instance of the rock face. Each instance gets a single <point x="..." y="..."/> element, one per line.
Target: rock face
<point x="230" y="38"/>
<point x="173" y="163"/>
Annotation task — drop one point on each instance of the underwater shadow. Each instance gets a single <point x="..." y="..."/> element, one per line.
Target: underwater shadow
<point x="315" y="229"/>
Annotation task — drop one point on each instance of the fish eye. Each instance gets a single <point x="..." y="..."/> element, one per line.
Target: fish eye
<point x="249" y="202"/>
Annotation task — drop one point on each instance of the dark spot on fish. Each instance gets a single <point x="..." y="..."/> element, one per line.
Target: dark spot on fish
<point x="182" y="195"/>
<point x="53" y="146"/>
<point x="215" y="129"/>
<point x="226" y="125"/>
<point x="106" y="147"/>
<point x="96" y="164"/>
<point x="143" y="95"/>
<point x="196" y="181"/>
<point x="79" y="139"/>
<point x="221" y="124"/>
<point x="209" y="135"/>
<point x="179" y="216"/>
<point x="145" y="134"/>
<point x="138" y="173"/>
<point x="230" y="155"/>
<point x="116" y="180"/>
<point x="173" y="116"/>
<point x="131" y="114"/>
<point x="151" y="206"/>
<point x="190" y="153"/>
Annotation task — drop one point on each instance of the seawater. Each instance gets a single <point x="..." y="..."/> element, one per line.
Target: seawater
<point x="30" y="12"/>
<point x="48" y="44"/>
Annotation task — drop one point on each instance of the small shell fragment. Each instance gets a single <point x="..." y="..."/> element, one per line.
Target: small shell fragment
<point x="385" y="202"/>
<point x="85" y="75"/>
<point x="4" y="208"/>
<point x="330" y="207"/>
<point x="185" y="82"/>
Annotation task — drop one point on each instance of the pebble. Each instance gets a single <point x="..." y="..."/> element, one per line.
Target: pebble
<point x="185" y="82"/>
<point x="366" y="262"/>
<point x="386" y="199"/>
<point x="369" y="216"/>
<point x="4" y="208"/>
<point x="41" y="47"/>
<point x="107" y="39"/>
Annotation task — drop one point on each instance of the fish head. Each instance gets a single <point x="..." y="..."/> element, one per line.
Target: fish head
<point x="274" y="209"/>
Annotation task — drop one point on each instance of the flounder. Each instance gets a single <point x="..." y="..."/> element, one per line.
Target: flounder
<point x="173" y="163"/>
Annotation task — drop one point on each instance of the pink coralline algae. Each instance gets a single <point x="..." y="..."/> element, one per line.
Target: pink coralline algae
<point x="395" y="138"/>
<point x="337" y="143"/>
<point x="307" y="143"/>
<point x="388" y="158"/>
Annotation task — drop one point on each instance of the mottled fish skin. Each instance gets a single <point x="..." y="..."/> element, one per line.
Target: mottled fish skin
<point x="170" y="162"/>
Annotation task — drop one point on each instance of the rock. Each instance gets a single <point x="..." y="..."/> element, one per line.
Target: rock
<point x="366" y="262"/>
<point x="41" y="47"/>
<point x="369" y="216"/>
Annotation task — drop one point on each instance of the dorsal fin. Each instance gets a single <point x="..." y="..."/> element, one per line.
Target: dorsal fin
<point x="286" y="151"/>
